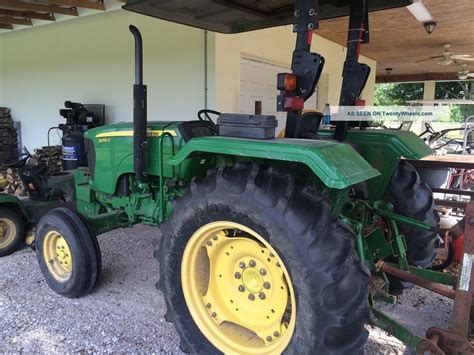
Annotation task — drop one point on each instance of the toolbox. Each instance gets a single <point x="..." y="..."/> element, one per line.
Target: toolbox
<point x="247" y="126"/>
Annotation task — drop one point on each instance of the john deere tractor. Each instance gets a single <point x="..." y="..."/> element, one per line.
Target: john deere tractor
<point x="268" y="243"/>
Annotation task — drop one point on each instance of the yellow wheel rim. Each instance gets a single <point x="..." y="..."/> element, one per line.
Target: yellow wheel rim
<point x="57" y="256"/>
<point x="7" y="232"/>
<point x="238" y="290"/>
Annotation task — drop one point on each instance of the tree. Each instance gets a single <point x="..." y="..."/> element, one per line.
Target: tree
<point x="397" y="94"/>
<point x="401" y="93"/>
<point x="449" y="90"/>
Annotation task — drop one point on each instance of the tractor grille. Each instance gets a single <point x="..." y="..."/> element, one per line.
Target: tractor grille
<point x="90" y="152"/>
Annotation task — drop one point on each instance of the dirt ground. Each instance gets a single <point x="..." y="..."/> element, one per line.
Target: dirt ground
<point x="125" y="313"/>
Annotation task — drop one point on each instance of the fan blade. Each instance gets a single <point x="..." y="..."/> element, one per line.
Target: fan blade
<point x="446" y="61"/>
<point x="466" y="59"/>
<point x="471" y="75"/>
<point x="430" y="58"/>
<point x="460" y="56"/>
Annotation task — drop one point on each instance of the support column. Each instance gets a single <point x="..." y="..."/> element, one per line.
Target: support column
<point x="429" y="90"/>
<point x="428" y="94"/>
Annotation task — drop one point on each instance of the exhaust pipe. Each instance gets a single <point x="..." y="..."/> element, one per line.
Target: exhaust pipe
<point x="139" y="110"/>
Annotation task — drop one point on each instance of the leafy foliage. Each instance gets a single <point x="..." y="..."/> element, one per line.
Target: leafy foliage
<point x="397" y="94"/>
<point x="457" y="90"/>
<point x="401" y="93"/>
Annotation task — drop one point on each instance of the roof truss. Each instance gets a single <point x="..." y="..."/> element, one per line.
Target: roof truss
<point x="28" y="12"/>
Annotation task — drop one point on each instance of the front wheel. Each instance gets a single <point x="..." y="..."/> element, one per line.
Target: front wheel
<point x="252" y="264"/>
<point x="68" y="253"/>
<point x="12" y="231"/>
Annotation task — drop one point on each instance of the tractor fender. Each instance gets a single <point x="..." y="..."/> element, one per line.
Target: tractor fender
<point x="336" y="164"/>
<point x="14" y="203"/>
<point x="400" y="143"/>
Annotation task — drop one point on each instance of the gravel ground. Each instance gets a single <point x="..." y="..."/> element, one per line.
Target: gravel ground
<point x="125" y="312"/>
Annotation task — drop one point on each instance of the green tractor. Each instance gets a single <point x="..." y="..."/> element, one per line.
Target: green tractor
<point x="268" y="243"/>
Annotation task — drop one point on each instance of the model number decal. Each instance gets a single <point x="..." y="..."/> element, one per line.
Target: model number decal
<point x="150" y="133"/>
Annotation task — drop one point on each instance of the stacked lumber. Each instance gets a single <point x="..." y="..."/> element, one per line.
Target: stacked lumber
<point x="8" y="136"/>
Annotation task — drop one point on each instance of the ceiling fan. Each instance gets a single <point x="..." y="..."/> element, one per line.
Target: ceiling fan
<point x="464" y="73"/>
<point x="448" y="57"/>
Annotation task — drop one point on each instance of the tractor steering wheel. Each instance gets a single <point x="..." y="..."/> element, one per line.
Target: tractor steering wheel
<point x="429" y="128"/>
<point x="207" y="120"/>
<point x="17" y="162"/>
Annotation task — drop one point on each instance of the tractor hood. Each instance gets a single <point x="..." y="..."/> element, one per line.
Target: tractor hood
<point x="234" y="16"/>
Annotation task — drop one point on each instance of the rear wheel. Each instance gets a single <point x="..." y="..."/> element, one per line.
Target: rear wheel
<point x="413" y="198"/>
<point x="68" y="253"/>
<point x="12" y="231"/>
<point x="252" y="264"/>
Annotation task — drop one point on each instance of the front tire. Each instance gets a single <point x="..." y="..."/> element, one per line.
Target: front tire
<point x="68" y="253"/>
<point x="238" y="221"/>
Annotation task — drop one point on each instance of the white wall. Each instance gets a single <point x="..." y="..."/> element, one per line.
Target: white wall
<point x="276" y="46"/>
<point x="90" y="60"/>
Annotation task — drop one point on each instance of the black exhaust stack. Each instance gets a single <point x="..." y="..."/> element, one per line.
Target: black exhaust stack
<point x="139" y="110"/>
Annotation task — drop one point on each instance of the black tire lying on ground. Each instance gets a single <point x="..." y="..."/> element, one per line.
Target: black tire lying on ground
<point x="413" y="198"/>
<point x="318" y="251"/>
<point x="68" y="253"/>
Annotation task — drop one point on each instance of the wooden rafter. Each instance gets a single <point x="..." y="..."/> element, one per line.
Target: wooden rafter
<point x="415" y="77"/>
<point x="6" y="27"/>
<point x="22" y="5"/>
<point x="28" y="14"/>
<point x="15" y="21"/>
<point x="79" y="3"/>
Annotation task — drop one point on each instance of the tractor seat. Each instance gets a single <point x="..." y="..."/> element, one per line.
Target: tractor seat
<point x="194" y="129"/>
<point x="308" y="125"/>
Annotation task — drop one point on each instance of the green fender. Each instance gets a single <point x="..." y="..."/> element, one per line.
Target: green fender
<point x="402" y="143"/>
<point x="383" y="148"/>
<point x="13" y="201"/>
<point x="336" y="164"/>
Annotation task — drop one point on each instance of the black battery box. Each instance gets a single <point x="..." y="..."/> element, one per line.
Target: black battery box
<point x="247" y="126"/>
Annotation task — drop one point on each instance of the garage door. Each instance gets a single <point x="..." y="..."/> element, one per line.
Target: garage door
<point x="258" y="83"/>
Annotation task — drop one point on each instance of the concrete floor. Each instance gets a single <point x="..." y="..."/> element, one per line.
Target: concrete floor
<point x="125" y="312"/>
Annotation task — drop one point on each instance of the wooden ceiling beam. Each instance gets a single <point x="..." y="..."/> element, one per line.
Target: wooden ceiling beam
<point x="409" y="78"/>
<point x="398" y="40"/>
<point x="6" y="27"/>
<point x="79" y="3"/>
<point x="15" y="21"/>
<point x="28" y="14"/>
<point x="22" y="5"/>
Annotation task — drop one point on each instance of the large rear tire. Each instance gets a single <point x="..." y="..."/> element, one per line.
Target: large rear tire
<point x="413" y="198"/>
<point x="224" y="231"/>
